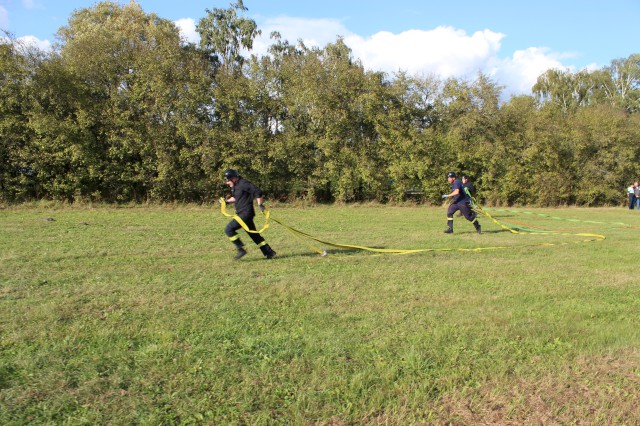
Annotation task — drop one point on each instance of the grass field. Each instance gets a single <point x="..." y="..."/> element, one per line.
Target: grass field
<point x="138" y="315"/>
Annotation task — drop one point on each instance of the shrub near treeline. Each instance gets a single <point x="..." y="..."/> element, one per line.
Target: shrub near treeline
<point x="123" y="110"/>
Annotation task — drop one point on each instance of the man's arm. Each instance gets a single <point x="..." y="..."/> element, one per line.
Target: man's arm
<point x="454" y="193"/>
<point x="260" y="201"/>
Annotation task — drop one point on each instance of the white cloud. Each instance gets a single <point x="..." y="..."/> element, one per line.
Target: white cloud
<point x="187" y="27"/>
<point x="443" y="51"/>
<point x="35" y="42"/>
<point x="520" y="72"/>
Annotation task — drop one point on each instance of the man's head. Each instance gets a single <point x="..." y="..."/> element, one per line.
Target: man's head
<point x="231" y="176"/>
<point x="451" y="176"/>
<point x="464" y="178"/>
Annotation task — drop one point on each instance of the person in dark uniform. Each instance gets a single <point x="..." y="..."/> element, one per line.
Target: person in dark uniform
<point x="467" y="186"/>
<point x="243" y="193"/>
<point x="461" y="202"/>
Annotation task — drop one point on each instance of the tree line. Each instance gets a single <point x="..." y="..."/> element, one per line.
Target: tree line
<point x="124" y="110"/>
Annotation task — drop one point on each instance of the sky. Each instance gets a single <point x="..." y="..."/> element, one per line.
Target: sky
<point x="512" y="41"/>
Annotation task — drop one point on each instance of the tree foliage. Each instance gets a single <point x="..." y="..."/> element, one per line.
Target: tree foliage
<point x="224" y="35"/>
<point x="125" y="110"/>
<point x="17" y="65"/>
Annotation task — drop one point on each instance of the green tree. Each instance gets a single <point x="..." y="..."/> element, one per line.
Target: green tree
<point x="410" y="147"/>
<point x="607" y="154"/>
<point x="506" y="176"/>
<point x="224" y="35"/>
<point x="283" y="149"/>
<point x="136" y="87"/>
<point x="318" y="120"/>
<point x="468" y="119"/>
<point x="342" y="125"/>
<point x="623" y="86"/>
<point x="550" y="159"/>
<point x="62" y="154"/>
<point x="559" y="88"/>
<point x="17" y="64"/>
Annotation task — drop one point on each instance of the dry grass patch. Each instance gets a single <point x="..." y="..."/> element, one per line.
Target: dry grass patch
<point x="594" y="390"/>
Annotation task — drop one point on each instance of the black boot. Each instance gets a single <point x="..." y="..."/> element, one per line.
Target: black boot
<point x="241" y="252"/>
<point x="449" y="231"/>
<point x="268" y="252"/>
<point x="478" y="228"/>
<point x="240" y="247"/>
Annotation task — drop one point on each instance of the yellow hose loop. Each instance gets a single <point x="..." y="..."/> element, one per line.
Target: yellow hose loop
<point x="223" y="209"/>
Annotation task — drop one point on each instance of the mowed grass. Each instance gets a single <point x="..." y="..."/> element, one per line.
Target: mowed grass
<point x="138" y="315"/>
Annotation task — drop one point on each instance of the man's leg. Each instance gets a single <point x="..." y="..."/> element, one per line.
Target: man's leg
<point x="259" y="240"/>
<point x="471" y="216"/>
<point x="450" y="212"/>
<point x="230" y="232"/>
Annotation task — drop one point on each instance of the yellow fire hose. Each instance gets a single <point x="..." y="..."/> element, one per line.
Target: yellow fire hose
<point x="303" y="236"/>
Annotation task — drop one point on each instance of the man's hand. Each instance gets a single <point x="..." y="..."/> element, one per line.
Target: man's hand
<point x="445" y="196"/>
<point x="261" y="207"/>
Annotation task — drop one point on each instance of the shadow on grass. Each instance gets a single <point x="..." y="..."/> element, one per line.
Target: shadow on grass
<point x="353" y="252"/>
<point x="492" y="231"/>
<point x="330" y="252"/>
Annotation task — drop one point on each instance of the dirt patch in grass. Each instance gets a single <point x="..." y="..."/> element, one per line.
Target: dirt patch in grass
<point x="595" y="390"/>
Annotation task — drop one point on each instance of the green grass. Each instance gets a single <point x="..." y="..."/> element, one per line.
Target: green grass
<point x="138" y="315"/>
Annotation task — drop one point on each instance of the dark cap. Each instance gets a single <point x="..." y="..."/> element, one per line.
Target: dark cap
<point x="451" y="175"/>
<point x="230" y="173"/>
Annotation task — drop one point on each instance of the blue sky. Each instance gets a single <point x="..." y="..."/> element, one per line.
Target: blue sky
<point x="513" y="41"/>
